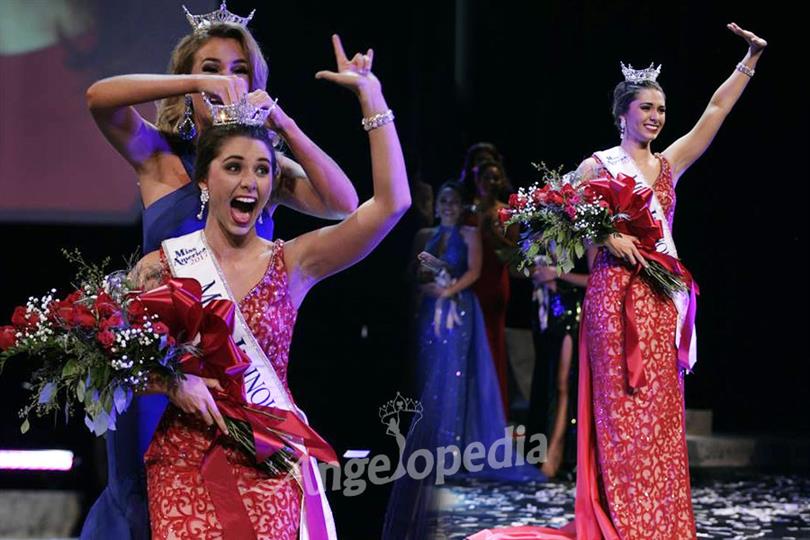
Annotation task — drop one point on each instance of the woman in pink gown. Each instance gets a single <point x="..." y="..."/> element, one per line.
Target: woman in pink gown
<point x="632" y="462"/>
<point x="236" y="166"/>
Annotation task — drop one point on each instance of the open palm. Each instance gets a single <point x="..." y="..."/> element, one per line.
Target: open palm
<point x="755" y="43"/>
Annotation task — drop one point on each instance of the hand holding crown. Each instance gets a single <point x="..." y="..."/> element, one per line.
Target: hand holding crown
<point x="224" y="89"/>
<point x="250" y="110"/>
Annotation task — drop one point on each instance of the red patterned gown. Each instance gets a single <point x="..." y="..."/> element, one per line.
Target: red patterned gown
<point x="632" y="463"/>
<point x="179" y="505"/>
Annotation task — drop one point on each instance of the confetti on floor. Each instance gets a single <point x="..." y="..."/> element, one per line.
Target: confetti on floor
<point x="737" y="505"/>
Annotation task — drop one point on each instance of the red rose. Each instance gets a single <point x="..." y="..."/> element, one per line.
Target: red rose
<point x="589" y="194"/>
<point x="539" y="196"/>
<point x="22" y="319"/>
<point x="106" y="338"/>
<point x="82" y="316"/>
<point x="554" y="197"/>
<point x="8" y="337"/>
<point x="61" y="311"/>
<point x="74" y="297"/>
<point x="517" y="200"/>
<point x="105" y="305"/>
<point x="135" y="310"/>
<point x="113" y="321"/>
<point x="504" y="215"/>
<point x="19" y="318"/>
<point x="571" y="211"/>
<point x="160" y="328"/>
<point x="570" y="194"/>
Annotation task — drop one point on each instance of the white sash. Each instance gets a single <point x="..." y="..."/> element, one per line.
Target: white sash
<point x="190" y="257"/>
<point x="617" y="161"/>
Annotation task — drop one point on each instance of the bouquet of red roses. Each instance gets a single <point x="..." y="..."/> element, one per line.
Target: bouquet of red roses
<point x="92" y="349"/>
<point x="107" y="340"/>
<point x="565" y="215"/>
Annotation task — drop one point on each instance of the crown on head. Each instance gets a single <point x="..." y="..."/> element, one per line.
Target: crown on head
<point x="220" y="16"/>
<point x="400" y="405"/>
<point x="639" y="75"/>
<point x="242" y="112"/>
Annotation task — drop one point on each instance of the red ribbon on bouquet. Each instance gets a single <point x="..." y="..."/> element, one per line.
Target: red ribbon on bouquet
<point x="178" y="305"/>
<point x="632" y="216"/>
<point x="631" y="210"/>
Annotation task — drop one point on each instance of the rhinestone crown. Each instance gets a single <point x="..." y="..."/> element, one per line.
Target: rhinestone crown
<point x="220" y="16"/>
<point x="639" y="75"/>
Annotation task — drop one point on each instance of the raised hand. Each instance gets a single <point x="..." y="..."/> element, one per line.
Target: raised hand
<point x="755" y="43"/>
<point x="354" y="74"/>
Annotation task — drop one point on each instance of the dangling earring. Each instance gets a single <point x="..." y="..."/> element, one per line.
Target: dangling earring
<point x="186" y="129"/>
<point x="203" y="201"/>
<point x="621" y="129"/>
<point x="261" y="221"/>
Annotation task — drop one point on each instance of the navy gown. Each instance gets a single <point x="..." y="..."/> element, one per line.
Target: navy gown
<point x="460" y="395"/>
<point x="121" y="511"/>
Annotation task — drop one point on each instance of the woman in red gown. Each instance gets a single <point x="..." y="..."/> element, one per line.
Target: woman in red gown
<point x="236" y="166"/>
<point x="632" y="462"/>
<point x="492" y="287"/>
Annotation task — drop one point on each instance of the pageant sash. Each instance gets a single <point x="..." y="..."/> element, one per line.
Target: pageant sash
<point x="189" y="256"/>
<point x="617" y="161"/>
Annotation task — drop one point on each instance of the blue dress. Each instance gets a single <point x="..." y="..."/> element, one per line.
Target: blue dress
<point x="121" y="511"/>
<point x="460" y="396"/>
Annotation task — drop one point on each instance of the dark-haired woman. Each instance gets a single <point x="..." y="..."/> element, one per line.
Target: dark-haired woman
<point x="632" y="462"/>
<point x="460" y="393"/>
<point x="492" y="288"/>
<point x="225" y="62"/>
<point x="191" y="495"/>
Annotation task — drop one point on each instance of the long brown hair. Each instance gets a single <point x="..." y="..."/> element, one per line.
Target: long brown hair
<point x="182" y="61"/>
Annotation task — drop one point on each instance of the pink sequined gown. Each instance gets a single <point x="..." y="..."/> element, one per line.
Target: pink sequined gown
<point x="632" y="462"/>
<point x="179" y="505"/>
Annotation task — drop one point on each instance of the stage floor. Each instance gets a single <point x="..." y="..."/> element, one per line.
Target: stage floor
<point x="727" y="505"/>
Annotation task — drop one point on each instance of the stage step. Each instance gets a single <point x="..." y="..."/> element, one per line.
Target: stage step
<point x="767" y="452"/>
<point x="699" y="421"/>
<point x="38" y="513"/>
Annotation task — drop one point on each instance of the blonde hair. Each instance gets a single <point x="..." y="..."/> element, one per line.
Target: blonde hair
<point x="182" y="61"/>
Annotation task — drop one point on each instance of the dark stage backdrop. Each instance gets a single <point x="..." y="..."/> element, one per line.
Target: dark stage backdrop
<point x="535" y="78"/>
